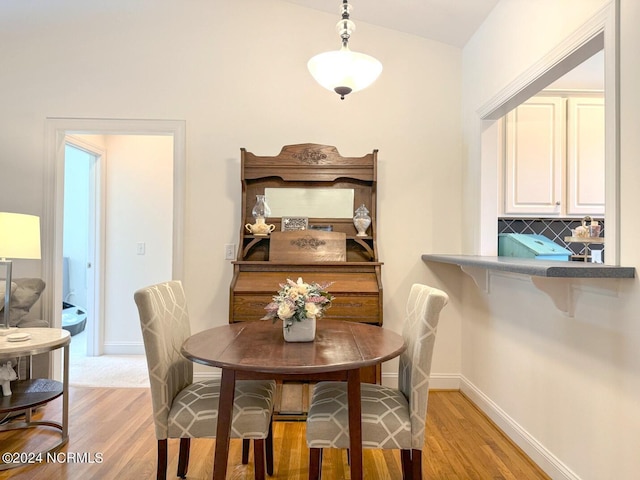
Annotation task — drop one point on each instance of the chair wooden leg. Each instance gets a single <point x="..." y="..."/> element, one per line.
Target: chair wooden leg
<point x="315" y="463"/>
<point x="245" y="450"/>
<point x="269" y="449"/>
<point x="407" y="466"/>
<point x="258" y="458"/>
<point x="416" y="461"/>
<point x="183" y="459"/>
<point x="161" y="473"/>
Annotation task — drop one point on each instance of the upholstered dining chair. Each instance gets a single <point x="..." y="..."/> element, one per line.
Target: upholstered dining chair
<point x="391" y="418"/>
<point x="186" y="409"/>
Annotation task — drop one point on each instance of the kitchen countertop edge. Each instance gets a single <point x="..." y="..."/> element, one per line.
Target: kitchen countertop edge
<point x="534" y="267"/>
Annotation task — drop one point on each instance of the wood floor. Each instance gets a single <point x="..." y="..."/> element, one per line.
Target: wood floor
<point x="111" y="431"/>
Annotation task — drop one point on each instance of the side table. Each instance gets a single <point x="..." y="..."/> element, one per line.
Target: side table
<point x="30" y="393"/>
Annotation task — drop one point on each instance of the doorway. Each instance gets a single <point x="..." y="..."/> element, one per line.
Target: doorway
<point x="82" y="213"/>
<point x="110" y="303"/>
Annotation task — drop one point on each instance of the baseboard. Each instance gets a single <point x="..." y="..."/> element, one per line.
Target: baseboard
<point x="538" y="453"/>
<point x="123" y="349"/>
<point x="444" y="381"/>
<point x="210" y="374"/>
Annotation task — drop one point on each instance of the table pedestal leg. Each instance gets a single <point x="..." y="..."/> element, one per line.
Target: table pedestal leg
<point x="65" y="393"/>
<point x="355" y="423"/>
<point x="223" y="432"/>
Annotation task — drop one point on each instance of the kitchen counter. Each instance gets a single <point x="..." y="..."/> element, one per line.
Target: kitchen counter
<point x="533" y="267"/>
<point x="557" y="279"/>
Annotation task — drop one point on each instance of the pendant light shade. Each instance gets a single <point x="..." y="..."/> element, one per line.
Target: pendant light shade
<point x="344" y="71"/>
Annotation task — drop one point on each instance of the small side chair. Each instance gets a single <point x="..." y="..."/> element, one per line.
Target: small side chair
<point x="391" y="418"/>
<point x="186" y="409"/>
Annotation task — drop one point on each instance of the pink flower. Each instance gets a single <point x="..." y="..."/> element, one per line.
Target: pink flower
<point x="296" y="301"/>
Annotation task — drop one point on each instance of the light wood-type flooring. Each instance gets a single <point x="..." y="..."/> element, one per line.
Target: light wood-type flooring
<point x="111" y="432"/>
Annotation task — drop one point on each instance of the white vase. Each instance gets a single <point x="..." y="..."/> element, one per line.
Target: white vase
<point x="362" y="220"/>
<point x="304" y="331"/>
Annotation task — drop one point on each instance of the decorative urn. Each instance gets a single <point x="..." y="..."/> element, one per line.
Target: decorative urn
<point x="362" y="220"/>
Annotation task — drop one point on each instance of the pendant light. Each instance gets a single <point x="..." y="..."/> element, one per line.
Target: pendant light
<point x="344" y="71"/>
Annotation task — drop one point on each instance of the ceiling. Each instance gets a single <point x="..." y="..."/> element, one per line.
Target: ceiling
<point x="448" y="21"/>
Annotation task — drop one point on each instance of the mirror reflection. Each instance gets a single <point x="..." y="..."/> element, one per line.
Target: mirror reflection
<point x="310" y="202"/>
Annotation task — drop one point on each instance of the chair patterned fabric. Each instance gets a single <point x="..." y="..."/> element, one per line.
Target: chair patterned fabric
<point x="194" y="412"/>
<point x="414" y="372"/>
<point x="391" y="418"/>
<point x="385" y="417"/>
<point x="181" y="408"/>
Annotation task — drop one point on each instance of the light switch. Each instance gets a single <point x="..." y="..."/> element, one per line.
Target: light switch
<point x="140" y="248"/>
<point x="229" y="251"/>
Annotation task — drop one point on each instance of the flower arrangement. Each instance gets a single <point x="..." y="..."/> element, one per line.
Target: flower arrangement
<point x="297" y="301"/>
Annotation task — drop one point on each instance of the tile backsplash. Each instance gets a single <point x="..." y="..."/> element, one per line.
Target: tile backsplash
<point x="554" y="229"/>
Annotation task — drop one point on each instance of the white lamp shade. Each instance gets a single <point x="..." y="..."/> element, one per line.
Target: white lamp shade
<point x="344" y="68"/>
<point x="19" y="236"/>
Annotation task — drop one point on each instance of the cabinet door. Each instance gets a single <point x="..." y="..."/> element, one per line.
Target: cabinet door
<point x="534" y="157"/>
<point x="585" y="156"/>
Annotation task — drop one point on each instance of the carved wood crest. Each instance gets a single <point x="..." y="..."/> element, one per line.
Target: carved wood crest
<point x="307" y="243"/>
<point x="310" y="156"/>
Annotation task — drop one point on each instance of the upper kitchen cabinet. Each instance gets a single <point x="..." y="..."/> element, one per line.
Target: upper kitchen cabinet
<point x="554" y="157"/>
<point x="585" y="156"/>
<point x="534" y="156"/>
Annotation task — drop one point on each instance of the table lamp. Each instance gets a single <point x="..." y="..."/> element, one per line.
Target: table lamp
<point x="19" y="238"/>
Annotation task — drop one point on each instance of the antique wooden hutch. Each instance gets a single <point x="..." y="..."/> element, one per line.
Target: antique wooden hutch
<point x="327" y="188"/>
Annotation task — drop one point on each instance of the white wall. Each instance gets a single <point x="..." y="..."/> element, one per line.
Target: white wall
<point x="240" y="81"/>
<point x="625" y="412"/>
<point x="139" y="201"/>
<point x="572" y="385"/>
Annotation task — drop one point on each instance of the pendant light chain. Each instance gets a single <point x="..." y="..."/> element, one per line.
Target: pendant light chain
<point x="344" y="71"/>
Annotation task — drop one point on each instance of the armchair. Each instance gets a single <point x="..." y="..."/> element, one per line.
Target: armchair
<point x="25" y="292"/>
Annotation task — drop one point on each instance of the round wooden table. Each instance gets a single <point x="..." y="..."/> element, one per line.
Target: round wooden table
<point x="257" y="350"/>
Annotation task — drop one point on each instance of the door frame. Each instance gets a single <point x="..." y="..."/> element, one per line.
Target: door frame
<point x="56" y="131"/>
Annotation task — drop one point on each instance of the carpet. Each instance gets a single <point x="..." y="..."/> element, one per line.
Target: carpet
<point x="118" y="371"/>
